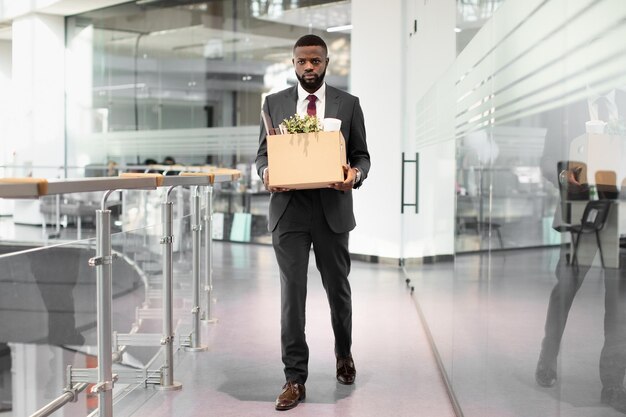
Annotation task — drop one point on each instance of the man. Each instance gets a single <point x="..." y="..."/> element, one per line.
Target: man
<point x="321" y="217"/>
<point x="564" y="125"/>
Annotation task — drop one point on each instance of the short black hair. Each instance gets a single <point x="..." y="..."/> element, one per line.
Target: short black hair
<point x="311" y="40"/>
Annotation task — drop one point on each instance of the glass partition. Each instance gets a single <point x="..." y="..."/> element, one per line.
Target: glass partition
<point x="169" y="82"/>
<point x="48" y="302"/>
<point x="49" y="319"/>
<point x="528" y="320"/>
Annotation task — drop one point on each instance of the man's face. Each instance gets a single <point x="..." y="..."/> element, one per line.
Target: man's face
<point x="310" y="64"/>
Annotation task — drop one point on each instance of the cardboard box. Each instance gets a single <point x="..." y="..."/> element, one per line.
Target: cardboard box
<point x="306" y="160"/>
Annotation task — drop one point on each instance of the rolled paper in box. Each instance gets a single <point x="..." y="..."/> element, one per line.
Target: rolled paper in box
<point x="595" y="126"/>
<point x="331" y="125"/>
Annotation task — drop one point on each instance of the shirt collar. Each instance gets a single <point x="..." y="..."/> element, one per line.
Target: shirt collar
<point x="320" y="93"/>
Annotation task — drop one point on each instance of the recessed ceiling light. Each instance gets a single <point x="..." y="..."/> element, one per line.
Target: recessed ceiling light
<point x="339" y="28"/>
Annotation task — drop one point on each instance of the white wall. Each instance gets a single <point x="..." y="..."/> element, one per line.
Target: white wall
<point x="79" y="95"/>
<point x="6" y="206"/>
<point x="37" y="129"/>
<point x="36" y="88"/>
<point x="431" y="52"/>
<point x="5" y="87"/>
<point x="377" y="60"/>
<point x="392" y="69"/>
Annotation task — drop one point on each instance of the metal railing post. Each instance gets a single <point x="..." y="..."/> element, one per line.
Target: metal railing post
<point x="180" y="207"/>
<point x="103" y="260"/>
<point x="208" y="242"/>
<point x="196" y="228"/>
<point x="167" y="376"/>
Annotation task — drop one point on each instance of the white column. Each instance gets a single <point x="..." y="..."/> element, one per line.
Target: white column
<point x="376" y="78"/>
<point x="36" y="131"/>
<point x="82" y="119"/>
<point x="393" y="66"/>
<point x="5" y="99"/>
<point x="6" y="206"/>
<point x="430" y="52"/>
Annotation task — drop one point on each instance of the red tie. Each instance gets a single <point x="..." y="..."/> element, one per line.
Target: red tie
<point x="310" y="108"/>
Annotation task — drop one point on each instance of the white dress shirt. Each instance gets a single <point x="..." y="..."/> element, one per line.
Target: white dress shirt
<point x="303" y="102"/>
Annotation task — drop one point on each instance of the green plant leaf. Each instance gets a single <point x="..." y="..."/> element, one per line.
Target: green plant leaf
<point x="306" y="124"/>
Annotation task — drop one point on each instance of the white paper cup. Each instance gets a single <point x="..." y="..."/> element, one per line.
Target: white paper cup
<point x="595" y="126"/>
<point x="331" y="125"/>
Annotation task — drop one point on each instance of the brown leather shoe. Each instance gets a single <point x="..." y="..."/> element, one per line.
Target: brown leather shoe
<point x="346" y="372"/>
<point x="291" y="396"/>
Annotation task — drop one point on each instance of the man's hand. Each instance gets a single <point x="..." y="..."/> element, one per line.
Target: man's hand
<point x="266" y="182"/>
<point x="570" y="176"/>
<point x="350" y="177"/>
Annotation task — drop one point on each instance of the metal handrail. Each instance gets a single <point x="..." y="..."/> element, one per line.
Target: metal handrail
<point x="68" y="396"/>
<point x="35" y="188"/>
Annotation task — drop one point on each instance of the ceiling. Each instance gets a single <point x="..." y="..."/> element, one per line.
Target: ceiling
<point x="321" y="16"/>
<point x="5" y="31"/>
<point x="192" y="32"/>
<point x="55" y="7"/>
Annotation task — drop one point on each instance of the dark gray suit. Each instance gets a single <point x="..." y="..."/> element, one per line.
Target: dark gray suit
<point x="322" y="218"/>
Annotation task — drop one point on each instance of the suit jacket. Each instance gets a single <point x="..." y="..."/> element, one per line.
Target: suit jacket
<point x="337" y="205"/>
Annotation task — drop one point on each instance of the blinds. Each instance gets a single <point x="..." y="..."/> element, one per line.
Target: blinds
<point x="532" y="56"/>
<point x="210" y="141"/>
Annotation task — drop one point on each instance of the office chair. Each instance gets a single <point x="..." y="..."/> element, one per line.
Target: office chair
<point x="593" y="220"/>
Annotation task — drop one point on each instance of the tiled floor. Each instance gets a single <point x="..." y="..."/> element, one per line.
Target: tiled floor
<point x="241" y="374"/>
<point x="486" y="313"/>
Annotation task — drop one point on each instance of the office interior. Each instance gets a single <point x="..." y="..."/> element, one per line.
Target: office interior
<point x="469" y="257"/>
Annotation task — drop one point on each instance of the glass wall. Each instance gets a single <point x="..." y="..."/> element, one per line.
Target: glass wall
<point x="530" y="318"/>
<point x="471" y="15"/>
<point x="186" y="80"/>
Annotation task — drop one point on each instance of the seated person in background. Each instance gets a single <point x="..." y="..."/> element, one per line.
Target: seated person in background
<point x="150" y="161"/>
<point x="168" y="160"/>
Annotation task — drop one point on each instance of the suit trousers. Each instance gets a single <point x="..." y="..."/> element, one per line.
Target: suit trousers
<point x="303" y="224"/>
<point x="569" y="279"/>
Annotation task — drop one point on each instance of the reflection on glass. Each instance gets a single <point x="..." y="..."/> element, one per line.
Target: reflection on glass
<point x="471" y="15"/>
<point x="194" y="66"/>
<point x="151" y="81"/>
<point x="532" y="321"/>
<point x="583" y="156"/>
<point x="48" y="306"/>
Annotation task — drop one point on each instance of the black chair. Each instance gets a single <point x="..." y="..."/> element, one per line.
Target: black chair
<point x="570" y="192"/>
<point x="593" y="220"/>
